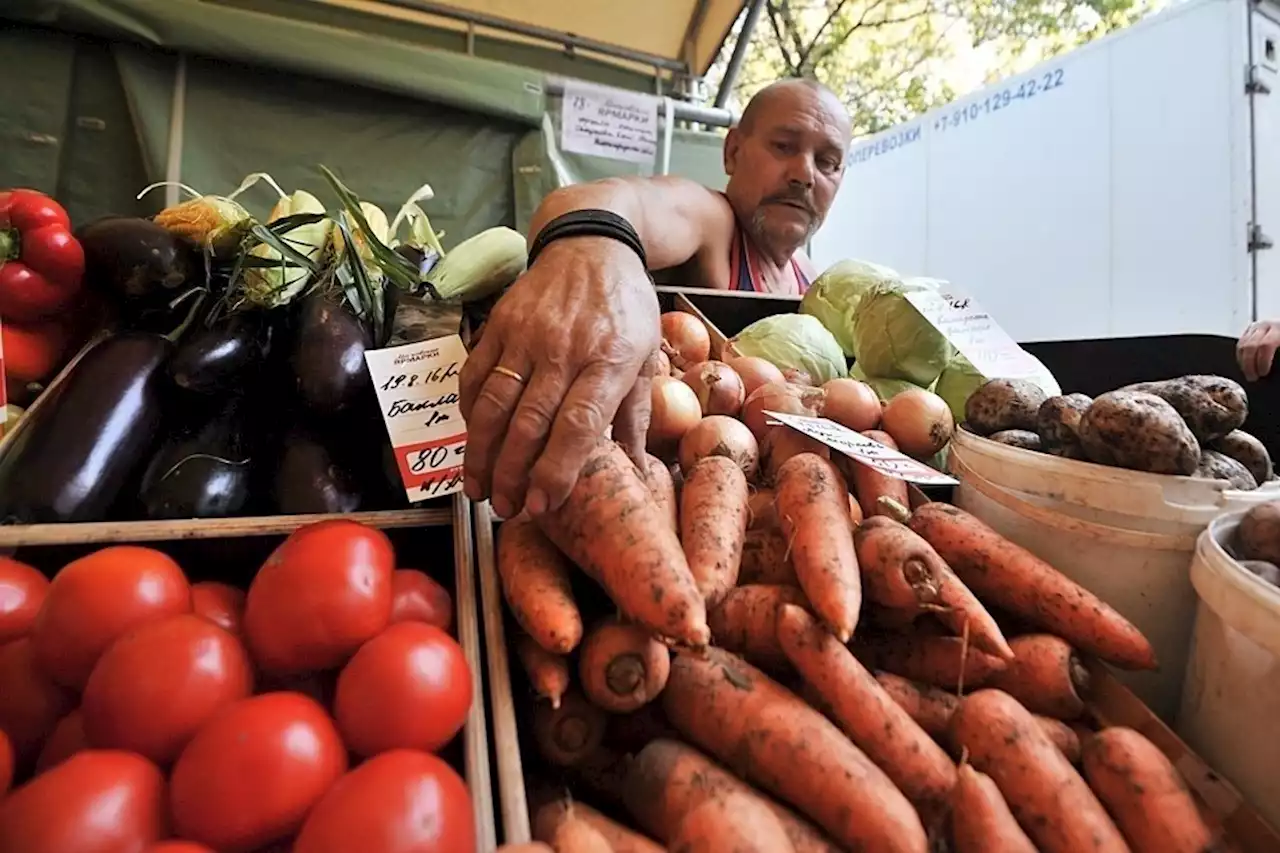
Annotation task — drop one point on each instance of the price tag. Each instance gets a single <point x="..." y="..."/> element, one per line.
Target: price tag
<point x="417" y="387"/>
<point x="857" y="446"/>
<point x="609" y="123"/>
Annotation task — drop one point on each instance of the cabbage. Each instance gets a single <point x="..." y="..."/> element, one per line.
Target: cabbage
<point x="886" y="389"/>
<point x="893" y="340"/>
<point x="961" y="378"/>
<point x="795" y="341"/>
<point x="833" y="297"/>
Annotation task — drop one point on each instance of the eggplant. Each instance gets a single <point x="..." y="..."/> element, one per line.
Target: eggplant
<point x="137" y="260"/>
<point x="328" y="355"/>
<point x="310" y="479"/>
<point x="204" y="472"/>
<point x="72" y="459"/>
<point x="219" y="358"/>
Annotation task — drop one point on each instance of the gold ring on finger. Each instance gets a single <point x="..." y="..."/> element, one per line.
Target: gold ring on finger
<point x="506" y="371"/>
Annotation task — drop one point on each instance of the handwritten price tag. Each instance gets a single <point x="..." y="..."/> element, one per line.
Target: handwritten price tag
<point x="609" y="123"/>
<point x="417" y="387"/>
<point x="857" y="446"/>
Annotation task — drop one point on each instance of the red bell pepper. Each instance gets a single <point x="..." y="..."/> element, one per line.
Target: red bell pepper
<point x="41" y="262"/>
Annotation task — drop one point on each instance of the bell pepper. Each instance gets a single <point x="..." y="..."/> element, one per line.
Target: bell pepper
<point x="41" y="261"/>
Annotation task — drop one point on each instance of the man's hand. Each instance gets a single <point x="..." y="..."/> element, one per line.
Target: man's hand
<point x="579" y="331"/>
<point x="1256" y="348"/>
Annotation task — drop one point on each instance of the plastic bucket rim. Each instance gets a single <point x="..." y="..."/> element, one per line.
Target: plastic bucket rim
<point x="1215" y="566"/>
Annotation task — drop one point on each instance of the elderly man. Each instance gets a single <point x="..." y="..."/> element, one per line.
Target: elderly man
<point x="570" y="348"/>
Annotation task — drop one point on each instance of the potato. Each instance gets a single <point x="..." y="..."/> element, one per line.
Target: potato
<point x="1001" y="404"/>
<point x="1219" y="466"/>
<point x="1025" y="439"/>
<point x="1058" y="420"/>
<point x="1211" y="405"/>
<point x="1132" y="429"/>
<point x="1258" y="536"/>
<point x="1248" y="451"/>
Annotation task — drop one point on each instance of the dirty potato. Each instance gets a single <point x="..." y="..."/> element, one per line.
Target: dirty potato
<point x="1132" y="429"/>
<point x="1026" y="439"/>
<point x="1258" y="536"/>
<point x="1211" y="405"/>
<point x="1001" y="404"/>
<point x="1058" y="420"/>
<point x="1219" y="466"/>
<point x="1248" y="451"/>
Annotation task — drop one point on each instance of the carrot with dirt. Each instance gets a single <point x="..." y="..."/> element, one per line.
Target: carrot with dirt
<point x="570" y="733"/>
<point x="657" y="476"/>
<point x="713" y="524"/>
<point x="1050" y="800"/>
<point x="869" y="485"/>
<point x="931" y="707"/>
<point x="746" y="622"/>
<point x="574" y="835"/>
<point x="866" y="713"/>
<point x="1144" y="793"/>
<point x="548" y="673"/>
<point x="947" y="662"/>
<point x="1045" y="675"/>
<point x="1062" y="735"/>
<point x="733" y="823"/>
<point x="549" y="817"/>
<point x="535" y="584"/>
<point x="980" y="818"/>
<point x="612" y="529"/>
<point x="813" y="511"/>
<point x="766" y="559"/>
<point x="1011" y="578"/>
<point x="621" y="666"/>
<point x="668" y="779"/>
<point x="770" y="737"/>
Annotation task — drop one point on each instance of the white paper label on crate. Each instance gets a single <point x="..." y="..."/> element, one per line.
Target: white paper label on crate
<point x="857" y="446"/>
<point x="609" y="123"/>
<point x="417" y="386"/>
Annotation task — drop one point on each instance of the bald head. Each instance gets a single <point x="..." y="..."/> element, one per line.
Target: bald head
<point x="788" y="94"/>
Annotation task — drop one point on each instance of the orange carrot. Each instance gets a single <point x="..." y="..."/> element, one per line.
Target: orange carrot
<point x="611" y="527"/>
<point x="1062" y="736"/>
<point x="1045" y="676"/>
<point x="761" y="514"/>
<point x="780" y="444"/>
<point x="667" y="780"/>
<point x="771" y="737"/>
<point x="766" y="559"/>
<point x="535" y="583"/>
<point x="980" y="818"/>
<point x="930" y="707"/>
<point x="940" y="661"/>
<point x="621" y="666"/>
<point x="1012" y="578"/>
<point x="866" y="713"/>
<point x="657" y="476"/>
<point x="1144" y="793"/>
<point x="868" y="484"/>
<point x="813" y="510"/>
<point x="1052" y="803"/>
<point x="733" y="823"/>
<point x="578" y="836"/>
<point x="713" y="524"/>
<point x="548" y="673"/>
<point x="746" y="623"/>
<point x="549" y="817"/>
<point x="568" y="734"/>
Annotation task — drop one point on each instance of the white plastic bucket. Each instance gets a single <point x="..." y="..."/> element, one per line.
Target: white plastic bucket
<point x="1231" y="701"/>
<point x="1126" y="536"/>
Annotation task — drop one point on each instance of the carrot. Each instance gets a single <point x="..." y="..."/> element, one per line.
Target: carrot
<point x="535" y="583"/>
<point x="1144" y="793"/>
<point x="733" y="823"/>
<point x="866" y="713"/>
<point x="868" y="484"/>
<point x="578" y="836"/>
<point x="1045" y="676"/>
<point x="771" y="737"/>
<point x="713" y="524"/>
<point x="570" y="733"/>
<point x="548" y="673"/>
<point x="667" y="780"/>
<point x="612" y="529"/>
<point x="621" y="666"/>
<point x="745" y="622"/>
<point x="1066" y="740"/>
<point x="813" y="510"/>
<point x="766" y="559"/>
<point x="1012" y="578"/>
<point x="549" y="817"/>
<point x="980" y="818"/>
<point x="781" y="444"/>
<point x="930" y="707"/>
<point x="657" y="476"/>
<point x="940" y="661"/>
<point x="1051" y="802"/>
<point x="761" y="514"/>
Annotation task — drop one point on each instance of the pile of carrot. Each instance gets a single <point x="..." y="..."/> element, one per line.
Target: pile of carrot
<point x="787" y="658"/>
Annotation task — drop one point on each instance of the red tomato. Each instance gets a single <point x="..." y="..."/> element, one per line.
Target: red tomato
<point x="418" y="598"/>
<point x="399" y="802"/>
<point x="65" y="741"/>
<point x="221" y="604"/>
<point x="100" y="801"/>
<point x="30" y="704"/>
<point x="6" y="763"/>
<point x="253" y="772"/>
<point x="407" y="688"/>
<point x="153" y="688"/>
<point x="322" y="593"/>
<point x="22" y="591"/>
<point x="179" y="847"/>
<point x="99" y="597"/>
<point x="33" y="352"/>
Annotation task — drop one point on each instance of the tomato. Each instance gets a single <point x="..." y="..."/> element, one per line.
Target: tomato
<point x="415" y="596"/>
<point x="153" y="688"/>
<point x="179" y="847"/>
<point x="221" y="604"/>
<point x="99" y="801"/>
<point x="33" y="352"/>
<point x="407" y="688"/>
<point x="65" y="741"/>
<point x="322" y="593"/>
<point x="253" y="772"/>
<point x="30" y="704"/>
<point x="6" y="763"/>
<point x="99" y="597"/>
<point x="22" y="591"/>
<point x="399" y="802"/>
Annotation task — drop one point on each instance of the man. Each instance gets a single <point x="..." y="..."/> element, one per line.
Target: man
<point x="1256" y="348"/>
<point x="569" y="349"/>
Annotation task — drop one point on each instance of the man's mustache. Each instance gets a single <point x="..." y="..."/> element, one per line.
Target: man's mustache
<point x="801" y="198"/>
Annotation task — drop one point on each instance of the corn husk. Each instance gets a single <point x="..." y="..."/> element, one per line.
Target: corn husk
<point x="479" y="266"/>
<point x="377" y="222"/>
<point x="215" y="223"/>
<point x="279" y="280"/>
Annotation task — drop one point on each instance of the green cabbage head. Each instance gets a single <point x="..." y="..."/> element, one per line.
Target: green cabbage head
<point x="893" y="340"/>
<point x="833" y="297"/>
<point x="886" y="389"/>
<point x="793" y="341"/>
<point x="961" y="378"/>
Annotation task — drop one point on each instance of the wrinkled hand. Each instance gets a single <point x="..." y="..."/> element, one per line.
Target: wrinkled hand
<point x="1256" y="348"/>
<point x="581" y="328"/>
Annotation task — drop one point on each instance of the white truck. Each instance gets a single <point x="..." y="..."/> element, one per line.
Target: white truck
<point x="1128" y="188"/>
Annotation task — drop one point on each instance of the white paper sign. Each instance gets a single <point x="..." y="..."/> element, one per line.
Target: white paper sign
<point x="609" y="123"/>
<point x="857" y="446"/>
<point x="417" y="386"/>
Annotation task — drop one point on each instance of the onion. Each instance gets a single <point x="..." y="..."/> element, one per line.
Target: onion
<point x="686" y="338"/>
<point x="718" y="387"/>
<point x="664" y="365"/>
<point x="796" y="376"/>
<point x="919" y="421"/>
<point x="788" y="399"/>
<point x="720" y="435"/>
<point x="852" y="403"/>
<point x="675" y="412"/>
<point x="783" y="442"/>
<point x="755" y="371"/>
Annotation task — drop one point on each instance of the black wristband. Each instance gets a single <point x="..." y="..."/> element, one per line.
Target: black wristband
<point x="589" y="223"/>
